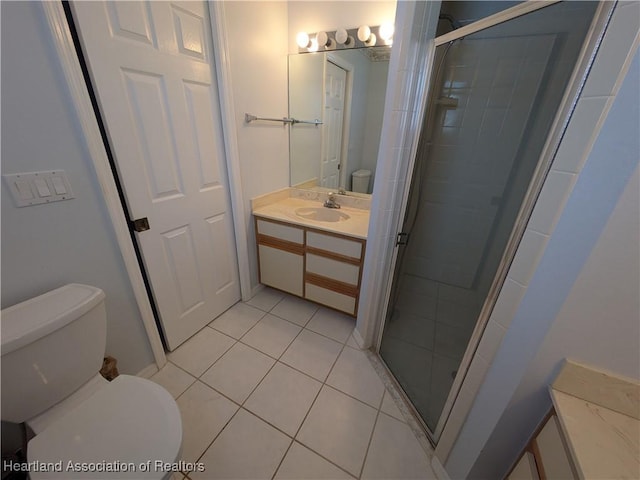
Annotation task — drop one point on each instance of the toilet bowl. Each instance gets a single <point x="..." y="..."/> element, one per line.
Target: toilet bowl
<point x="85" y="427"/>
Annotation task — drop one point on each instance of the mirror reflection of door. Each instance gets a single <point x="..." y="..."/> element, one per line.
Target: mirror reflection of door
<point x="335" y="80"/>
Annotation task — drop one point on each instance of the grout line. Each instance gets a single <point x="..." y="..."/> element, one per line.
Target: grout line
<point x="366" y="453"/>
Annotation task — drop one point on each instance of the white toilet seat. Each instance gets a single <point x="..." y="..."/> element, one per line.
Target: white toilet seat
<point x="123" y="426"/>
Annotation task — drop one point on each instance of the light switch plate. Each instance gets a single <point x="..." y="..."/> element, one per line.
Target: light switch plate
<point x="34" y="188"/>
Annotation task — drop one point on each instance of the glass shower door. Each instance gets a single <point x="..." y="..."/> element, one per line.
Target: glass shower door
<point x="493" y="99"/>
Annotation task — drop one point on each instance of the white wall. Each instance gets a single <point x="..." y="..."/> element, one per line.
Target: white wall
<point x="315" y="16"/>
<point x="257" y="41"/>
<point x="306" y="80"/>
<point x="47" y="246"/>
<point x="582" y="300"/>
<point x="375" y="114"/>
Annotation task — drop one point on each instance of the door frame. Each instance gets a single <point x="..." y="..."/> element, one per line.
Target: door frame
<point x="70" y="64"/>
<point x="346" y="114"/>
<point x="380" y="286"/>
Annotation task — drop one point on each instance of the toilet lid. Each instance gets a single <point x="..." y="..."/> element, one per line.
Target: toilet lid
<point x="122" y="427"/>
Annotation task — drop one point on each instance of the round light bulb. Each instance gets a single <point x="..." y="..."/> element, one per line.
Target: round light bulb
<point x="386" y="31"/>
<point x="341" y="36"/>
<point x="323" y="39"/>
<point x="364" y="32"/>
<point x="302" y="39"/>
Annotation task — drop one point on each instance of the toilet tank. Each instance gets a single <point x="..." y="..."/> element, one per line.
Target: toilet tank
<point x="50" y="345"/>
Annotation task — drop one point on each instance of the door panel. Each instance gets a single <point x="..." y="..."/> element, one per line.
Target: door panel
<point x="334" y="99"/>
<point x="150" y="68"/>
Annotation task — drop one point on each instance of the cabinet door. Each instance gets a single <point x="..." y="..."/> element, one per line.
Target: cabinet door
<point x="525" y="469"/>
<point x="554" y="458"/>
<point x="281" y="269"/>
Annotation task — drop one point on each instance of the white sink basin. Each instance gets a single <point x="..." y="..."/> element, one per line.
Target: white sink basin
<point x="321" y="214"/>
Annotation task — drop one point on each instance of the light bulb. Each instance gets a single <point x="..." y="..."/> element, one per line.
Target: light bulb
<point x="341" y="36"/>
<point x="323" y="39"/>
<point x="302" y="39"/>
<point x="364" y="33"/>
<point x="386" y="31"/>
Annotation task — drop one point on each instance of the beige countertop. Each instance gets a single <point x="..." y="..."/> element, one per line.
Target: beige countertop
<point x="598" y="414"/>
<point x="281" y="207"/>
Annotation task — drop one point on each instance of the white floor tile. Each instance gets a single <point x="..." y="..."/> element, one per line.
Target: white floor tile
<point x="201" y="351"/>
<point x="294" y="309"/>
<point x="395" y="453"/>
<point x="300" y="463"/>
<point x="237" y="321"/>
<point x="332" y="324"/>
<point x="266" y="299"/>
<point x="248" y="448"/>
<point x="338" y="427"/>
<point x="271" y="335"/>
<point x="353" y="374"/>
<point x="174" y="379"/>
<point x="390" y="408"/>
<point x="283" y="398"/>
<point x="204" y="413"/>
<point x="238" y="372"/>
<point x="312" y="354"/>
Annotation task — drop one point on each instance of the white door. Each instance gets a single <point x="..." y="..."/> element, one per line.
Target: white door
<point x="335" y="80"/>
<point x="151" y="65"/>
<point x="473" y="149"/>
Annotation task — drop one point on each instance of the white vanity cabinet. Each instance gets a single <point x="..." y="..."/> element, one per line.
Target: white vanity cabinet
<point x="321" y="266"/>
<point x="546" y="456"/>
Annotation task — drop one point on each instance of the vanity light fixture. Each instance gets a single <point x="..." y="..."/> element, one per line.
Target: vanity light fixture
<point x="344" y="38"/>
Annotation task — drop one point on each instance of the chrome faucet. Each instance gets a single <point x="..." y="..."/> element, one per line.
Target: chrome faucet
<point x="331" y="201"/>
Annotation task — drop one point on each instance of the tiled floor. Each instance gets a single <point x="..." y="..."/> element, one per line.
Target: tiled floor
<point x="276" y="388"/>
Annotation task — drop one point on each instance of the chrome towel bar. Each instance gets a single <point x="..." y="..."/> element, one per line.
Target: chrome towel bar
<point x="248" y="118"/>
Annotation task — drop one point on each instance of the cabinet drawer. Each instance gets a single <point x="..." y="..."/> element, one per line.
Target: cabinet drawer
<point x="330" y="298"/>
<point x="327" y="267"/>
<point x="554" y="458"/>
<point x="283" y="232"/>
<point x="280" y="269"/>
<point x="525" y="469"/>
<point x="329" y="243"/>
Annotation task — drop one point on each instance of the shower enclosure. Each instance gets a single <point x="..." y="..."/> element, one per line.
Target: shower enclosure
<point x="494" y="95"/>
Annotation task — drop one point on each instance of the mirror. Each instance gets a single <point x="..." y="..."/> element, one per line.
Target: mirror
<point x="344" y="89"/>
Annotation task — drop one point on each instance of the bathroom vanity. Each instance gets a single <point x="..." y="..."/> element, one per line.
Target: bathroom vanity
<point x="311" y="251"/>
<point x="591" y="431"/>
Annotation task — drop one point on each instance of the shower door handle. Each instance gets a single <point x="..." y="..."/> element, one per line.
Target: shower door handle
<point x="402" y="238"/>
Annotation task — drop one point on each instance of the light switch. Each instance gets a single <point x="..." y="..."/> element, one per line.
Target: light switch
<point x="35" y="188"/>
<point x="58" y="185"/>
<point x="42" y="187"/>
<point x="24" y="190"/>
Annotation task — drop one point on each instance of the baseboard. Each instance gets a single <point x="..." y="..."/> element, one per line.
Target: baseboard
<point x="148" y="371"/>
<point x="438" y="469"/>
<point x="358" y="338"/>
<point x="255" y="290"/>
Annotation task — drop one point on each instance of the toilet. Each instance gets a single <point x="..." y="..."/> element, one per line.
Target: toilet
<point x="52" y="349"/>
<point x="360" y="181"/>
